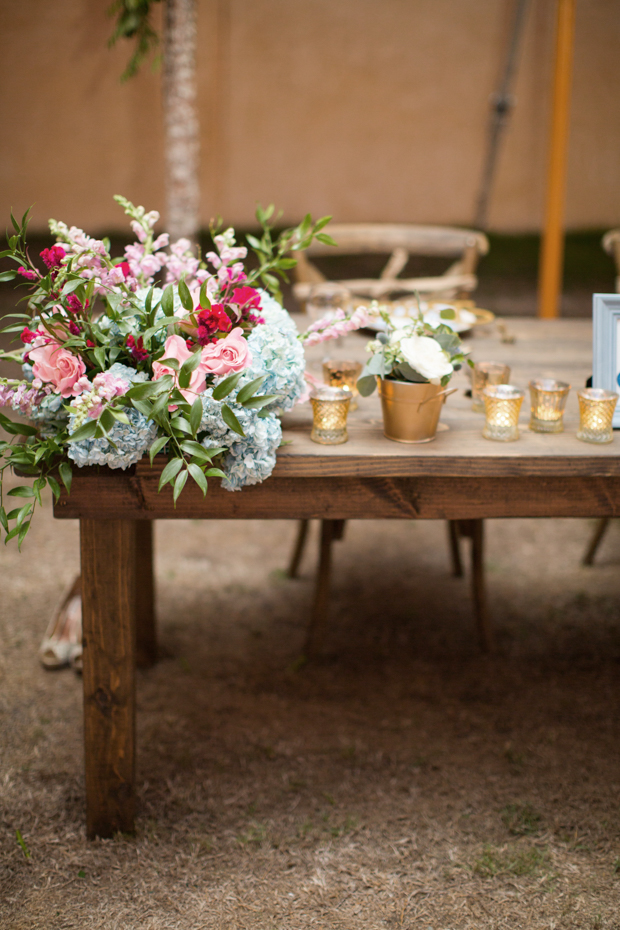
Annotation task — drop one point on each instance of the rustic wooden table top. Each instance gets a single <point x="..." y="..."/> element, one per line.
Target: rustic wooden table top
<point x="559" y="349"/>
<point x="556" y="348"/>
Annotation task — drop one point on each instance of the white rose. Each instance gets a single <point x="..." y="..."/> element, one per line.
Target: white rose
<point x="426" y="356"/>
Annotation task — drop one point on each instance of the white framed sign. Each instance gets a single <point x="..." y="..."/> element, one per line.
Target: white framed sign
<point x="606" y="345"/>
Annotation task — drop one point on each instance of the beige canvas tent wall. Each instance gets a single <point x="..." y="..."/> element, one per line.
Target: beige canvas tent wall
<point x="366" y="110"/>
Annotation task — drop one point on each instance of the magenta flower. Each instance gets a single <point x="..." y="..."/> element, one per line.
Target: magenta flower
<point x="53" y="257"/>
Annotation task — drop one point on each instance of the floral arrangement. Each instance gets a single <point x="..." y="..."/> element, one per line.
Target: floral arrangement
<point x="412" y="350"/>
<point x="154" y="352"/>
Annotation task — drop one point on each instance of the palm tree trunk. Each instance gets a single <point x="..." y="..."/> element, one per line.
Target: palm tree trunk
<point x="181" y="120"/>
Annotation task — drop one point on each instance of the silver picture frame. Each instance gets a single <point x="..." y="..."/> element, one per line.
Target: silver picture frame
<point x="606" y="345"/>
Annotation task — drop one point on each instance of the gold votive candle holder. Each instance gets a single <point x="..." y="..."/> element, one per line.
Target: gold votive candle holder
<point x="486" y="373"/>
<point x="548" y="400"/>
<point x="343" y="374"/>
<point x="502" y="403"/>
<point x="330" y="406"/>
<point x="596" y="411"/>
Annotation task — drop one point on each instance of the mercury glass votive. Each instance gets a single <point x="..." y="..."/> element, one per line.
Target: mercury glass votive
<point x="486" y="373"/>
<point x="343" y="375"/>
<point x="596" y="411"/>
<point x="502" y="403"/>
<point x="548" y="400"/>
<point x="330" y="406"/>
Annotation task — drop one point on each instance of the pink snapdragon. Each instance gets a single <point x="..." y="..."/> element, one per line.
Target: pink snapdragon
<point x="181" y="262"/>
<point x="333" y="326"/>
<point x="95" y="395"/>
<point x="22" y="396"/>
<point x="54" y="365"/>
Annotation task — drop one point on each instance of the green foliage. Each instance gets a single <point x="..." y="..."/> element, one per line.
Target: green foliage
<point x="273" y="256"/>
<point x="133" y="22"/>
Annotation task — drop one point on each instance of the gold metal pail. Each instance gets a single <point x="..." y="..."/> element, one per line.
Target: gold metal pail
<point x="411" y="410"/>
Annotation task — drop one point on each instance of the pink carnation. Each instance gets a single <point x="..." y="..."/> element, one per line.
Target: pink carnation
<point x="57" y="366"/>
<point x="226" y="355"/>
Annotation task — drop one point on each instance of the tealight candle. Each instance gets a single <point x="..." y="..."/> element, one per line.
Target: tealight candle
<point x="502" y="404"/>
<point x="343" y="375"/>
<point x="330" y="406"/>
<point x="596" y="411"/>
<point x="548" y="400"/>
<point x="486" y="373"/>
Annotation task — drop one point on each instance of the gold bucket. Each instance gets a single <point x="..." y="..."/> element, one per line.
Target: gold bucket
<point x="411" y="409"/>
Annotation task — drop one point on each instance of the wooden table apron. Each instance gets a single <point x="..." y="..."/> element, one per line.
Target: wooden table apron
<point x="461" y="476"/>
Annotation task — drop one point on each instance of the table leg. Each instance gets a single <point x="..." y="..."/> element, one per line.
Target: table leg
<point x="108" y="555"/>
<point x="146" y="629"/>
<point x="300" y="545"/>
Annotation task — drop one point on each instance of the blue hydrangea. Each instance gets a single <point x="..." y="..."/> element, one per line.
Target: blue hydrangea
<point x="249" y="459"/>
<point x="277" y="353"/>
<point x="132" y="441"/>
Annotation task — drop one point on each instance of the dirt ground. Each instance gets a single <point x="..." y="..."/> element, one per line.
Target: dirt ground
<point x="405" y="781"/>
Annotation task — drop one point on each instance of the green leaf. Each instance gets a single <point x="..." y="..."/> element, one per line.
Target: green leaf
<point x="160" y="406"/>
<point x="144" y="407"/>
<point x="66" y="475"/>
<point x="149" y="300"/>
<point x="16" y="225"/>
<point x="106" y="420"/>
<point x="215" y="473"/>
<point x="21" y="491"/>
<point x="231" y="420"/>
<point x="196" y="415"/>
<point x="157" y="446"/>
<point x="326" y="240"/>
<point x="179" y="484"/>
<point x="195" y="449"/>
<point x="119" y="415"/>
<point x="249" y="389"/>
<point x="204" y="299"/>
<point x="448" y="313"/>
<point x="170" y="471"/>
<point x="189" y="365"/>
<point x="169" y="363"/>
<point x="366" y="384"/>
<point x="186" y="297"/>
<point x="8" y="275"/>
<point x="181" y="424"/>
<point x="198" y="475"/>
<point x="54" y="486"/>
<point x="23" y="513"/>
<point x="167" y="301"/>
<point x="224" y="388"/>
<point x="100" y="356"/>
<point x="256" y="403"/>
<point x="145" y="389"/>
<point x="86" y="431"/>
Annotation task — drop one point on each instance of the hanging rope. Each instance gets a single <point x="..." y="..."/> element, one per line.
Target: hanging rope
<point x="502" y="103"/>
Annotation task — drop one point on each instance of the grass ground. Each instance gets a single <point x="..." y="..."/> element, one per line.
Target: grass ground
<point x="405" y="781"/>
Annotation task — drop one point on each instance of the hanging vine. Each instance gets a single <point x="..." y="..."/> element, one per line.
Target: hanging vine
<point x="133" y="22"/>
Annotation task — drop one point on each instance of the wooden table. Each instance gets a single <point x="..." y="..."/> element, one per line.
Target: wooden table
<point x="459" y="476"/>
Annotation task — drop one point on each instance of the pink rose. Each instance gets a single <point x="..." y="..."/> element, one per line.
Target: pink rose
<point x="226" y="355"/>
<point x="176" y="347"/>
<point x="57" y="366"/>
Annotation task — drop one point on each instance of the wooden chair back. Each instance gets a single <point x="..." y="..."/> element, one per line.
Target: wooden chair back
<point x="611" y="244"/>
<point x="400" y="240"/>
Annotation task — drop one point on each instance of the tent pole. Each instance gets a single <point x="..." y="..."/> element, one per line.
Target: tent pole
<point x="552" y="248"/>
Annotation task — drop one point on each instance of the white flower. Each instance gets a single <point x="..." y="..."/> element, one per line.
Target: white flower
<point x="426" y="356"/>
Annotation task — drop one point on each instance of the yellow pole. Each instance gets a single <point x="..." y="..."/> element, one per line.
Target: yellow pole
<point x="552" y="248"/>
